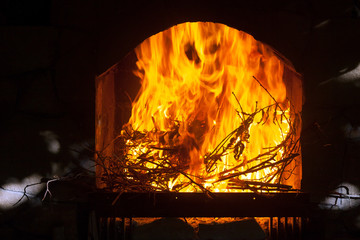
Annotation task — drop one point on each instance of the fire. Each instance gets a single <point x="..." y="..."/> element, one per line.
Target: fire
<point x="202" y="81"/>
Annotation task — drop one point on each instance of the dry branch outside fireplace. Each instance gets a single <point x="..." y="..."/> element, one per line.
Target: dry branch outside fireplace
<point x="216" y="111"/>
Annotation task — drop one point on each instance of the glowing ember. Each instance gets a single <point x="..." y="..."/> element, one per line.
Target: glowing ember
<point x="214" y="105"/>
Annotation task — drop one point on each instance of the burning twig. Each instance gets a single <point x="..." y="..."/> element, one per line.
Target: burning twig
<point x="157" y="160"/>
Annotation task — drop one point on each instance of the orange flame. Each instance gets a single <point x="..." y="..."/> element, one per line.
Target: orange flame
<point x="199" y="77"/>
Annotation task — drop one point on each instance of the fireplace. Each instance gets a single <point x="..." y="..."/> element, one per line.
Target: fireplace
<point x="217" y="111"/>
<point x="200" y="115"/>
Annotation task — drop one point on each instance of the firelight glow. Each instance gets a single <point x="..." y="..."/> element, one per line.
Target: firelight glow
<point x="200" y="77"/>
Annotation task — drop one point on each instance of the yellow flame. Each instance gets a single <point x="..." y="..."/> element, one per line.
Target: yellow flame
<point x="190" y="73"/>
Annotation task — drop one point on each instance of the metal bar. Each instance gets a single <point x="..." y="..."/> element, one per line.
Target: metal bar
<point x="292" y="227"/>
<point x="123" y="228"/>
<point x="278" y="228"/>
<point x="286" y="228"/>
<point x="108" y="228"/>
<point x="112" y="228"/>
<point x="130" y="228"/>
<point x="103" y="228"/>
<point x="271" y="226"/>
<point x="271" y="234"/>
<point x="302" y="227"/>
<point x="116" y="228"/>
<point x="200" y="205"/>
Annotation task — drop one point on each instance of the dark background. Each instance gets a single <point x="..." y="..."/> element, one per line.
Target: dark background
<point x="51" y="52"/>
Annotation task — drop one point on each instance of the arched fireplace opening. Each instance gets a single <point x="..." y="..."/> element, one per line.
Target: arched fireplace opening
<point x="217" y="111"/>
<point x="201" y="108"/>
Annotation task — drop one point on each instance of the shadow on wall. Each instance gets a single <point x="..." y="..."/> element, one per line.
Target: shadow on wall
<point x="46" y="94"/>
<point x="35" y="187"/>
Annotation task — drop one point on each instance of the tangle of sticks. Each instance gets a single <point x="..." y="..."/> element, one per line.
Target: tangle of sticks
<point x="158" y="160"/>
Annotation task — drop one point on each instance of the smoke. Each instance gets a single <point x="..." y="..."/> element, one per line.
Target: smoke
<point x="51" y="140"/>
